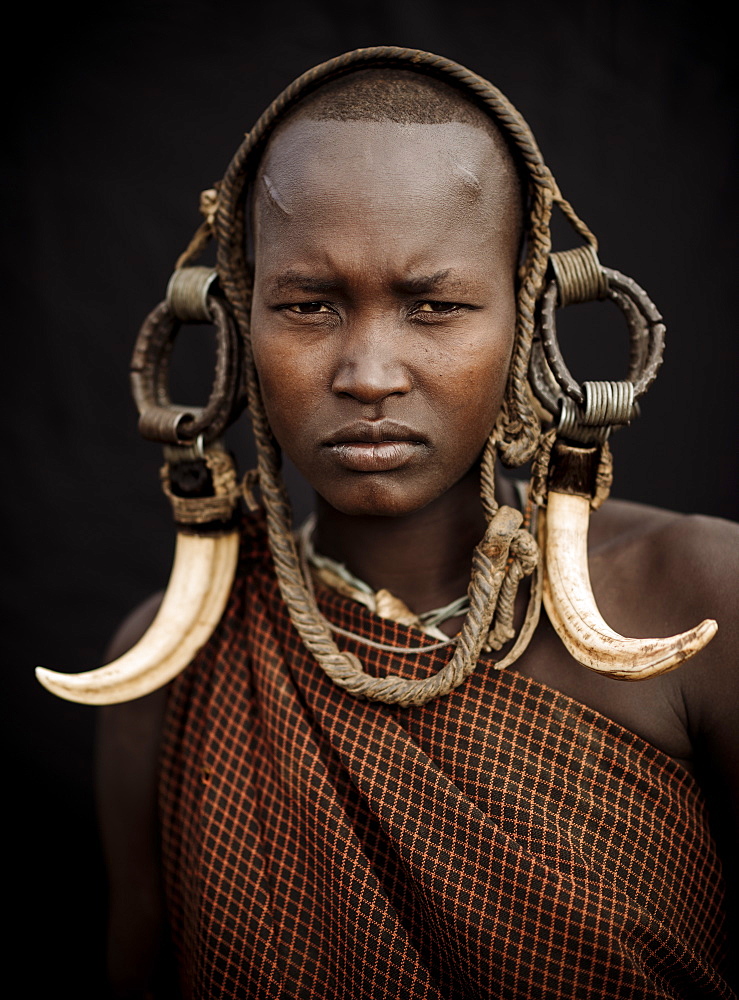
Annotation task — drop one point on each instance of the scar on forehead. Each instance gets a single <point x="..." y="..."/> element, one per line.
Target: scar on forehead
<point x="470" y="180"/>
<point x="274" y="195"/>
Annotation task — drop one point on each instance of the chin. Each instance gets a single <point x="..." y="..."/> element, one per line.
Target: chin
<point x="372" y="498"/>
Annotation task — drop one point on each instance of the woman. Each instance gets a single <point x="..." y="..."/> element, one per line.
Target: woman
<point x="356" y="798"/>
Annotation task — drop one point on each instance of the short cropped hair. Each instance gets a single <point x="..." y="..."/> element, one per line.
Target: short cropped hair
<point x="407" y="98"/>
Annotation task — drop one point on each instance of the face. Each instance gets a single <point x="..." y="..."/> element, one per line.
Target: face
<point x="384" y="306"/>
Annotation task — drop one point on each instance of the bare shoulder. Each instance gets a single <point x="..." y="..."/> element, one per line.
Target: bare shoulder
<point x="673" y="570"/>
<point x="128" y="741"/>
<point x="684" y="567"/>
<point x="660" y="573"/>
<point x="623" y="522"/>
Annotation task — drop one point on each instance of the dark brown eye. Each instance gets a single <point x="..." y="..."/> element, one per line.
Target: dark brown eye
<point x="308" y="307"/>
<point x="436" y="307"/>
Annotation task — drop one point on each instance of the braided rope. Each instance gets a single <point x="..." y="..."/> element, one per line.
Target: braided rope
<point x="523" y="559"/>
<point x="487" y="477"/>
<point x="518" y="426"/>
<point x="506" y="553"/>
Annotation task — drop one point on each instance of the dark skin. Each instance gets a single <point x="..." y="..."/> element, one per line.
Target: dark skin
<point x="383" y="321"/>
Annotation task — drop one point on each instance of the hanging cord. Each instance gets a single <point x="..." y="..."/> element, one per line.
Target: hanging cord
<point x="533" y="608"/>
<point x="204" y="232"/>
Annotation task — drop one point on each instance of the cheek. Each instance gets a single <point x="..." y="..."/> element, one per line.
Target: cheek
<point x="277" y="383"/>
<point x="474" y="377"/>
<point x="286" y="376"/>
<point x="288" y="402"/>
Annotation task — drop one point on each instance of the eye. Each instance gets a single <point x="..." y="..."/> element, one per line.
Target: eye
<point x="307" y="308"/>
<point x="431" y="307"/>
<point x="435" y="306"/>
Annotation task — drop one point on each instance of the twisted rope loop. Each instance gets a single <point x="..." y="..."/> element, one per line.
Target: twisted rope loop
<point x="503" y="547"/>
<point x="507" y="552"/>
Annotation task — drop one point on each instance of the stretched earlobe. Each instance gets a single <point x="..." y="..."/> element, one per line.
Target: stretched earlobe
<point x="572" y="472"/>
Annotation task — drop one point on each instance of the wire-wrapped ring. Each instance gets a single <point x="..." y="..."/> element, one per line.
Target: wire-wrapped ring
<point x="160" y="419"/>
<point x="550" y="376"/>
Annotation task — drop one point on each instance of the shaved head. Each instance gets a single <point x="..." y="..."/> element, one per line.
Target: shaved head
<point x="405" y="98"/>
<point x="394" y="95"/>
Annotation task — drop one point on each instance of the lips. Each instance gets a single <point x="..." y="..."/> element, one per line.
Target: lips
<point x="375" y="446"/>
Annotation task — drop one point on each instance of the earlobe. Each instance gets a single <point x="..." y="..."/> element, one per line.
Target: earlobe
<point x="572" y="470"/>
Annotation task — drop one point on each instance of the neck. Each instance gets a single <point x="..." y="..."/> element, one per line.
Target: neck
<point x="423" y="558"/>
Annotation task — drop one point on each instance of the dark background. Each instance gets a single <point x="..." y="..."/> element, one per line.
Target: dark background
<point x="116" y="121"/>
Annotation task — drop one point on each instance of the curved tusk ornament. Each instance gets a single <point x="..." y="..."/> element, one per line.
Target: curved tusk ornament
<point x="199" y="587"/>
<point x="199" y="479"/>
<point x="570" y="603"/>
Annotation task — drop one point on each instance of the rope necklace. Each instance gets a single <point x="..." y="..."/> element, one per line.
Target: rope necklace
<point x="360" y="591"/>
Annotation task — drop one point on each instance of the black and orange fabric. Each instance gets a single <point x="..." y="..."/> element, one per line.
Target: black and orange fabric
<point x="504" y="841"/>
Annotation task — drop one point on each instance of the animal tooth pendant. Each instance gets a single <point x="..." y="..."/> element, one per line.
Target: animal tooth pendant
<point x="568" y="595"/>
<point x="199" y="585"/>
<point x="199" y="478"/>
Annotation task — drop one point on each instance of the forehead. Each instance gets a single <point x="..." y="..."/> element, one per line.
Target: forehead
<point x="388" y="174"/>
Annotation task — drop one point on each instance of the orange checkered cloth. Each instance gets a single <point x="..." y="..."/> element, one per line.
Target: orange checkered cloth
<point x="504" y="841"/>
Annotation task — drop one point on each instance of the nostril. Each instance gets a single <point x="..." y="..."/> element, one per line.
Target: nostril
<point x="372" y="379"/>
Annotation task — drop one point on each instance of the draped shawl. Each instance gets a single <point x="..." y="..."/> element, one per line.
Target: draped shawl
<point x="504" y="841"/>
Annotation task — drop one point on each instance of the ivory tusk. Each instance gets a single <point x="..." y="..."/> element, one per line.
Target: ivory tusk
<point x="570" y="604"/>
<point x="199" y="586"/>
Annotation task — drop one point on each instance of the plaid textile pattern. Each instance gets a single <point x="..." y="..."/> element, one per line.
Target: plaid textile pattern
<point x="504" y="841"/>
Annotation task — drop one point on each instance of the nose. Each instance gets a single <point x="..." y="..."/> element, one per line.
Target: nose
<point x="370" y="367"/>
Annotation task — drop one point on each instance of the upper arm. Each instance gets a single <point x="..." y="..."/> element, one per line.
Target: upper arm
<point x="126" y="776"/>
<point x="708" y="582"/>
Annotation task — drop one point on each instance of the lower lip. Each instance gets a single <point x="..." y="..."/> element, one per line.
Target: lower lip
<point x="380" y="456"/>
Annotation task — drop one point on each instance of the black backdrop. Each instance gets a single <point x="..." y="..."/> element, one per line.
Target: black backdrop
<point x="117" y="120"/>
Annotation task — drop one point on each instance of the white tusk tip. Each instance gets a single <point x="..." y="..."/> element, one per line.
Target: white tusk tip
<point x="196" y="597"/>
<point x="676" y="650"/>
<point x="572" y="610"/>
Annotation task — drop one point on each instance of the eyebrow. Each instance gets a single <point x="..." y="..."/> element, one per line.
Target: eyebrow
<point x="298" y="281"/>
<point x="425" y="282"/>
<point x="293" y="280"/>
